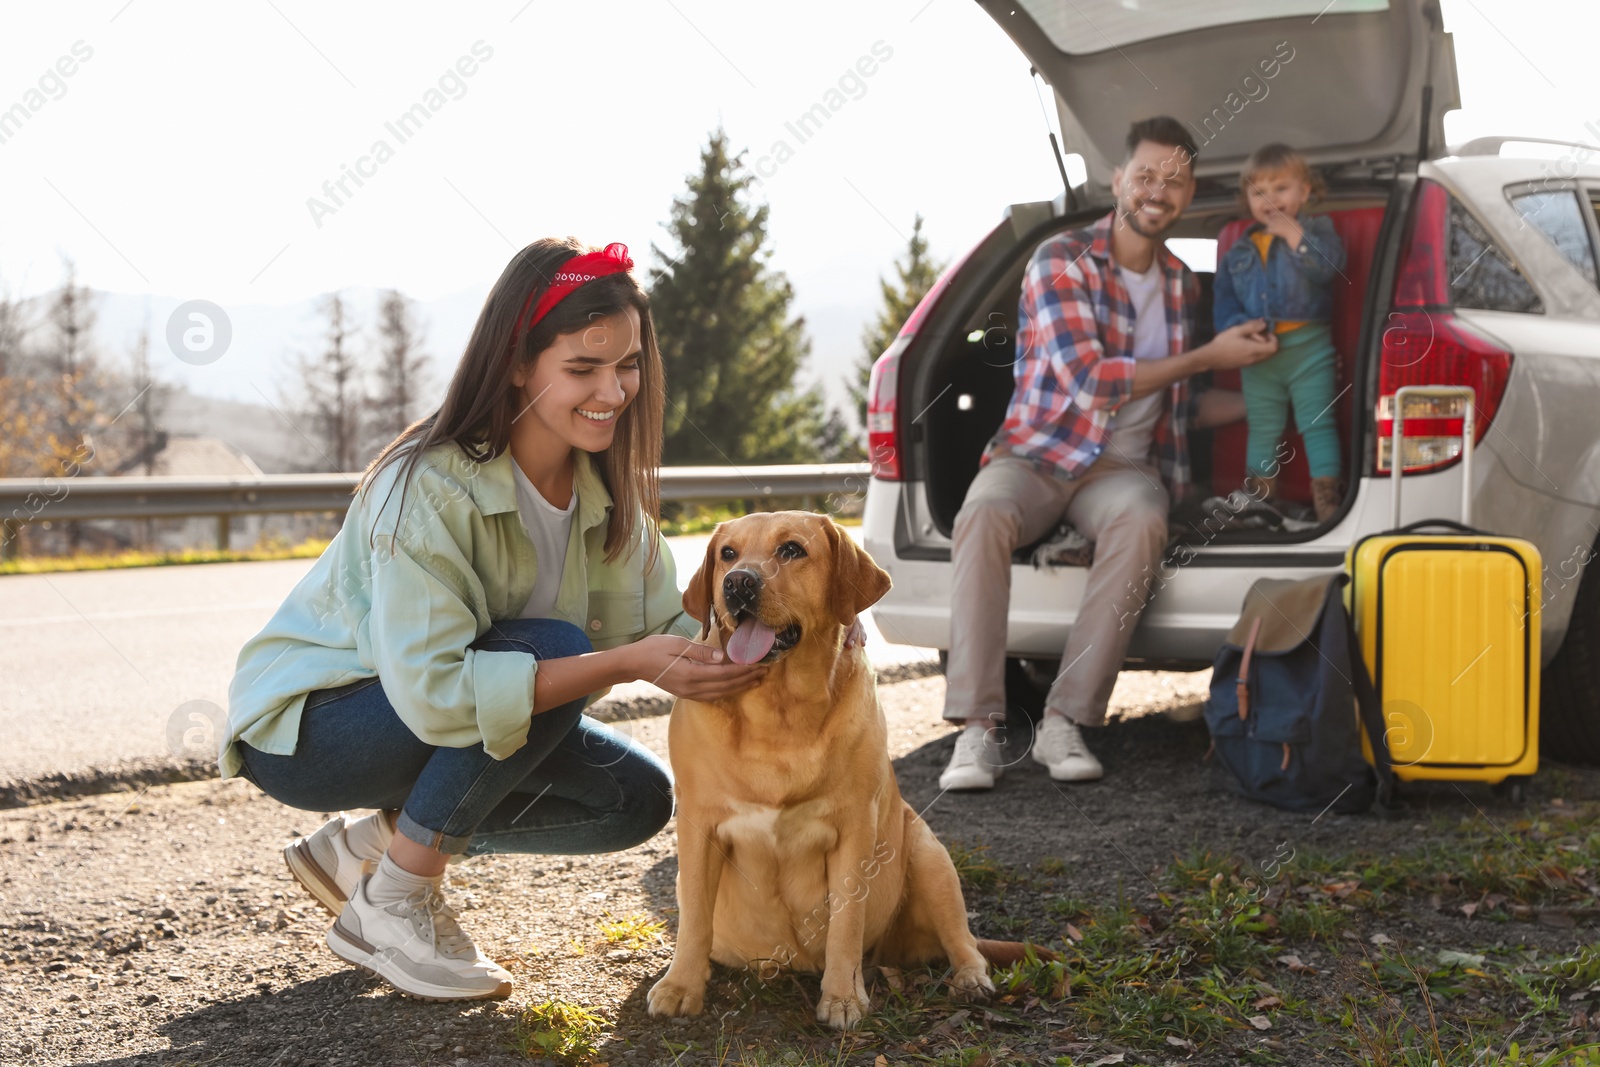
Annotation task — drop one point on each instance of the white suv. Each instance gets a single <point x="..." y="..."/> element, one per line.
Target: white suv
<point x="1468" y="266"/>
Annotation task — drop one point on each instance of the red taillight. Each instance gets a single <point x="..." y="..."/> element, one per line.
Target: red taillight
<point x="1425" y="344"/>
<point x="883" y="421"/>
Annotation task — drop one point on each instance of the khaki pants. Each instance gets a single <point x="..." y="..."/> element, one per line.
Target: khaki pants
<point x="1117" y="503"/>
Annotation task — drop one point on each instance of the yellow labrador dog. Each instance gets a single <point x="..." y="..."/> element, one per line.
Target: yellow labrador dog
<point x="795" y="848"/>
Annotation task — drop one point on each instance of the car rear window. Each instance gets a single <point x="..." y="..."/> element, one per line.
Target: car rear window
<point x="1559" y="216"/>
<point x="1081" y="26"/>
<point x="1481" y="274"/>
<point x="1198" y="253"/>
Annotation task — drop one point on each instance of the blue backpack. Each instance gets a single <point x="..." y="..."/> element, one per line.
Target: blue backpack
<point x="1286" y="689"/>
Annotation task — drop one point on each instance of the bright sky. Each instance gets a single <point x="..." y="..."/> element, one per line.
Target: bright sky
<point x="178" y="157"/>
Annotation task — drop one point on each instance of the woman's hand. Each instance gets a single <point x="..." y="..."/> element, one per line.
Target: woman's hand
<point x="685" y="669"/>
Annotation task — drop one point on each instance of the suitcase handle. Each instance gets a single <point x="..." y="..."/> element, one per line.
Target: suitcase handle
<point x="1468" y="432"/>
<point x="1449" y="524"/>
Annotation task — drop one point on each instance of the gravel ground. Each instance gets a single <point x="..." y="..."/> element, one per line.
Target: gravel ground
<point x="161" y="927"/>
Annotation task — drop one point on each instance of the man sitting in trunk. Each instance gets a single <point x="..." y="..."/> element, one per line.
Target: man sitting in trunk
<point x="1095" y="429"/>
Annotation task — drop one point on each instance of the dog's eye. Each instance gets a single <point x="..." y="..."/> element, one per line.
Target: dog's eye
<point x="728" y="553"/>
<point x="790" y="550"/>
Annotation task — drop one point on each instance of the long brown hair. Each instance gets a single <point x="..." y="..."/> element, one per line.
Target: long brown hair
<point x="481" y="402"/>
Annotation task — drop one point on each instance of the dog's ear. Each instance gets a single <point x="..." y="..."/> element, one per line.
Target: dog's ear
<point x="697" y="597"/>
<point x="858" y="581"/>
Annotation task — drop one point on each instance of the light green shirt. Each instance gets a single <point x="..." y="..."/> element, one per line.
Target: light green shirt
<point x="406" y="609"/>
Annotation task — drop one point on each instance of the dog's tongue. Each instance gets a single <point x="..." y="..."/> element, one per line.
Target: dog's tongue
<point x="752" y="640"/>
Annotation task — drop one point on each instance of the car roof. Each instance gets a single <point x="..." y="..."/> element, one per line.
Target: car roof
<point x="1493" y="171"/>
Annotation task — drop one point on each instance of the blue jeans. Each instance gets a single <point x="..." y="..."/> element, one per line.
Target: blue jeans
<point x="575" y="787"/>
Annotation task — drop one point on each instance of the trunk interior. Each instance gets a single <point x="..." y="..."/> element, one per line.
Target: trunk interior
<point x="975" y="365"/>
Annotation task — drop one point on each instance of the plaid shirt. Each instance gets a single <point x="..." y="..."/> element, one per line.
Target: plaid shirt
<point x="1075" y="367"/>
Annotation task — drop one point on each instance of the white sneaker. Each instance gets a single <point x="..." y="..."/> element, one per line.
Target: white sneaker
<point x="1059" y="746"/>
<point x="978" y="759"/>
<point x="325" y="864"/>
<point x="416" y="946"/>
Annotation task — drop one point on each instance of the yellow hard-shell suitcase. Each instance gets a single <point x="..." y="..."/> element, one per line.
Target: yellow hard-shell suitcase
<point x="1448" y="625"/>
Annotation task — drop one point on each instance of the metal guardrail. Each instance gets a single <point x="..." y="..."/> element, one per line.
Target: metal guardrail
<point x="24" y="500"/>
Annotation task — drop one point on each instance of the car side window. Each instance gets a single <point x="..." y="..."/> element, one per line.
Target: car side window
<point x="1559" y="216"/>
<point x="1481" y="274"/>
<point x="1594" y="205"/>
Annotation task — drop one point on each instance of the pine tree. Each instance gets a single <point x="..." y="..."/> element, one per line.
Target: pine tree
<point x="401" y="371"/>
<point x="21" y="408"/>
<point x="146" y="436"/>
<point x="75" y="389"/>
<point x="915" y="275"/>
<point x="730" y="350"/>
<point x="330" y="390"/>
<point x="22" y="412"/>
<point x="72" y="313"/>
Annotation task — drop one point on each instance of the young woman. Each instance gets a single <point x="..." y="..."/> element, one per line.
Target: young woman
<point x="435" y="661"/>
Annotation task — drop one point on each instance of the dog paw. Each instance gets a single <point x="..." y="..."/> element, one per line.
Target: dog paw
<point x="843" y="1011"/>
<point x="972" y="982"/>
<point x="670" y="996"/>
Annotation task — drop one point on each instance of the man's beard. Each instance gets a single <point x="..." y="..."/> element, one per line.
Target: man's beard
<point x="1145" y="227"/>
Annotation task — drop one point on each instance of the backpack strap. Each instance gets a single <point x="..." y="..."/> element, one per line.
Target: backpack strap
<point x="1371" y="717"/>
<point x="1241" y="683"/>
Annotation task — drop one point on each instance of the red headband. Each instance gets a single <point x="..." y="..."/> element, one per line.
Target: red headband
<point x="612" y="259"/>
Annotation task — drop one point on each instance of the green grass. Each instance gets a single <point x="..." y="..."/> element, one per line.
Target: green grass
<point x="1204" y="962"/>
<point x="116" y="561"/>
<point x="1199" y="960"/>
<point x="1052" y="866"/>
<point x="557" y="1030"/>
<point x="973" y="863"/>
<point x="1549" y="858"/>
<point x="695" y="521"/>
<point x="1399" y="1023"/>
<point x="631" y="931"/>
<point x="681" y="519"/>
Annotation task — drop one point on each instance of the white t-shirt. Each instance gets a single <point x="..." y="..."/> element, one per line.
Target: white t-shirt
<point x="1134" y="424"/>
<point x="549" y="527"/>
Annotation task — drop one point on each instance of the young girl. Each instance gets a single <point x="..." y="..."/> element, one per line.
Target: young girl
<point x="435" y="661"/>
<point x="1282" y="270"/>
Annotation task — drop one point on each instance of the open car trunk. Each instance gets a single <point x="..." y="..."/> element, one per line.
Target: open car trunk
<point x="1340" y="81"/>
<point x="975" y="363"/>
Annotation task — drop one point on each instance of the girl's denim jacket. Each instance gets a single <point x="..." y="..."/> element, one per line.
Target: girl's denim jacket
<point x="1290" y="286"/>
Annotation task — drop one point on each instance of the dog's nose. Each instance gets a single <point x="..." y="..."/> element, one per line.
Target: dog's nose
<point x="740" y="588"/>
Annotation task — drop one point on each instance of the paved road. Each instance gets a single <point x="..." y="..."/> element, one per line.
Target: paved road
<point x="95" y="665"/>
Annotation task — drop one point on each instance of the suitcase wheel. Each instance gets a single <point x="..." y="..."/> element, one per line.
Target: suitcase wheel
<point x="1514" y="787"/>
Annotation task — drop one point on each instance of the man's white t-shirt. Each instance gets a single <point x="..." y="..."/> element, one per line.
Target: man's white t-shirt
<point x="549" y="527"/>
<point x="1134" y="424"/>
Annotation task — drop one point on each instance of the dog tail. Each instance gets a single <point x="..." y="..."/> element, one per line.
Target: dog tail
<point x="1005" y="953"/>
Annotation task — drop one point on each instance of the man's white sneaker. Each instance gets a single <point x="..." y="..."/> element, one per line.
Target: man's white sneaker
<point x="416" y="945"/>
<point x="326" y="865"/>
<point x="978" y="760"/>
<point x="1059" y="746"/>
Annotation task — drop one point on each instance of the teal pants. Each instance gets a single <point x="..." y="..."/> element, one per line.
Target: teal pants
<point x="1302" y="373"/>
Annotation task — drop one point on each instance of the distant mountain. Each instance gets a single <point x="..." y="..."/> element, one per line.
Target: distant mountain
<point x="241" y="396"/>
<point x="258" y="364"/>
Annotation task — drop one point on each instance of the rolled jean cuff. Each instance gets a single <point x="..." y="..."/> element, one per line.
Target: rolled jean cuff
<point x="434" y="839"/>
